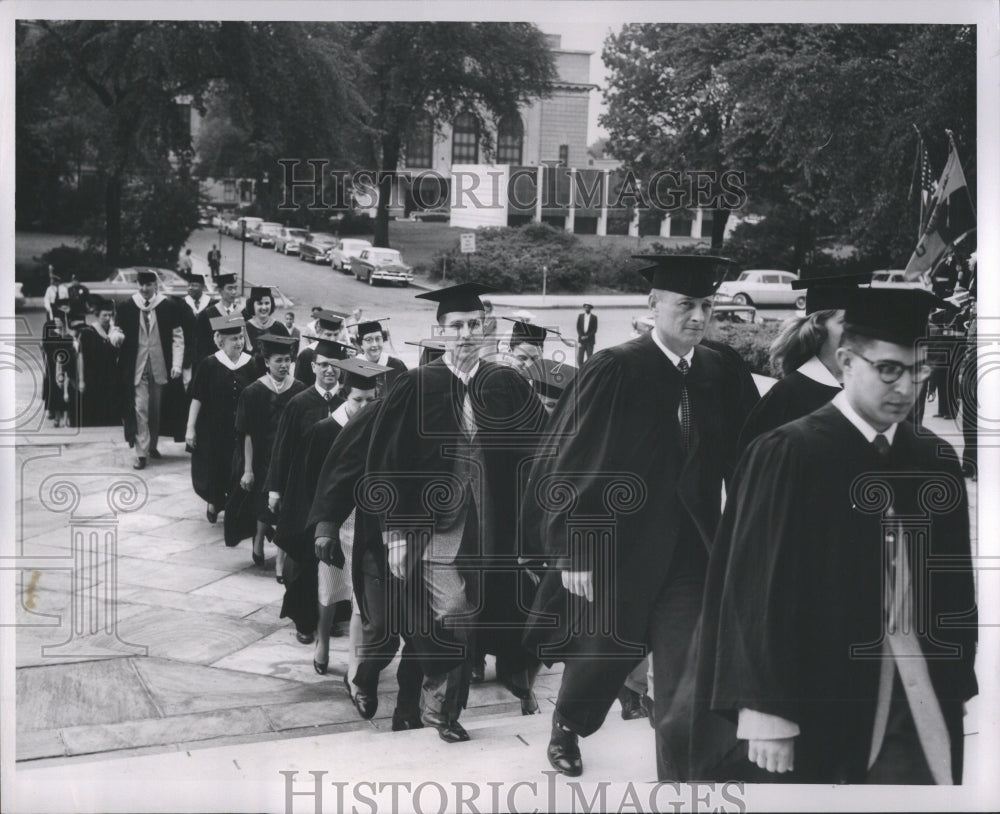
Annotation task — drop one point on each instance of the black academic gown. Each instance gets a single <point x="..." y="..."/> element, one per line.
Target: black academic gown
<point x="257" y="415"/>
<point x="414" y="444"/>
<point x="795" y="581"/>
<point x="791" y="397"/>
<point x="388" y="379"/>
<point x="616" y="424"/>
<point x="100" y="402"/>
<point x="284" y="471"/>
<point x="303" y="367"/>
<point x="218" y="389"/>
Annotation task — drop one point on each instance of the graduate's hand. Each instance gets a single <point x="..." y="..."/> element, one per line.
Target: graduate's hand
<point x="397" y="561"/>
<point x="579" y="583"/>
<point x="272" y="503"/>
<point x="324" y="549"/>
<point x="246" y="482"/>
<point x="175" y="373"/>
<point x="776" y="755"/>
<point x="81" y="387"/>
<point x="189" y="439"/>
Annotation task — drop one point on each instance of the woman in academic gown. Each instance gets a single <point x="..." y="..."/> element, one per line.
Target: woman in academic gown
<point x="57" y="348"/>
<point x="211" y="428"/>
<point x="259" y="316"/>
<point x="257" y="415"/>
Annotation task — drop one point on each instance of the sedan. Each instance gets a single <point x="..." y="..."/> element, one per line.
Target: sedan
<point x="287" y="241"/>
<point x="264" y="233"/>
<point x="345" y="251"/>
<point x="317" y="247"/>
<point x="762" y="287"/>
<point x="895" y="278"/>
<point x="122" y="284"/>
<point x="374" y="265"/>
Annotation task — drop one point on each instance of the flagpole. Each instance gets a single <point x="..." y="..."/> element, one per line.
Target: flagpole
<point x="918" y="173"/>
<point x="951" y="142"/>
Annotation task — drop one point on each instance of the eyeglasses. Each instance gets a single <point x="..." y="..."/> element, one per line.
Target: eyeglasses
<point x="889" y="371"/>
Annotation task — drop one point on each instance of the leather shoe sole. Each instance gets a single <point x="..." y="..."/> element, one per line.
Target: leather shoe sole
<point x="401" y="722"/>
<point x="453" y="733"/>
<point x="139" y="464"/>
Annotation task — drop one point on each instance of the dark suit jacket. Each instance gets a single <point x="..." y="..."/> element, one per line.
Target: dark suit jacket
<point x="588" y="337"/>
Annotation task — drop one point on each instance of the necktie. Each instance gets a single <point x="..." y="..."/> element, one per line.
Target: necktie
<point x="468" y="416"/>
<point x="145" y="314"/>
<point x="684" y="410"/>
<point x="329" y="398"/>
<point x="881" y="444"/>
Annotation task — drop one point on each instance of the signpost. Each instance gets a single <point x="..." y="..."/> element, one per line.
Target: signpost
<point x="467" y="246"/>
<point x="243" y="257"/>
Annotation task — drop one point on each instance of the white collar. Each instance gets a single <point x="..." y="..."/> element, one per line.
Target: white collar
<point x="140" y="300"/>
<point x="227" y="362"/>
<point x="225" y="310"/>
<point x="268" y="381"/>
<point x="258" y="324"/>
<point x="384" y="358"/>
<point x="841" y="402"/>
<point x="462" y="376"/>
<point x="201" y="305"/>
<point x="814" y="369"/>
<point x="97" y="327"/>
<point x="673" y="357"/>
<point x="340" y="415"/>
<point x="323" y="392"/>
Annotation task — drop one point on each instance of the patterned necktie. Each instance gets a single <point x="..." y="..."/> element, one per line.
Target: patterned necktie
<point x="468" y="416"/>
<point x="145" y="314"/>
<point x="329" y="399"/>
<point x="881" y="444"/>
<point x="684" y="410"/>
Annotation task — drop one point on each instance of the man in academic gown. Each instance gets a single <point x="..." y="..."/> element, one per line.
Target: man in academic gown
<point x="644" y="440"/>
<point x="295" y="533"/>
<point x="100" y="383"/>
<point x="371" y="340"/>
<point x="329" y="325"/>
<point x="302" y="412"/>
<point x="830" y="637"/>
<point x="191" y="305"/>
<point x="813" y="383"/>
<point x="152" y="354"/>
<point x="228" y="305"/>
<point x="448" y="444"/>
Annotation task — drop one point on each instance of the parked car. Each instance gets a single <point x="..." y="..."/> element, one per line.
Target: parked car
<point x="264" y="233"/>
<point x="895" y="278"/>
<point x="375" y="265"/>
<point x="236" y="230"/>
<point x="288" y="240"/>
<point x="122" y="284"/>
<point x="762" y="287"/>
<point x="345" y="251"/>
<point x="206" y="215"/>
<point x="316" y="248"/>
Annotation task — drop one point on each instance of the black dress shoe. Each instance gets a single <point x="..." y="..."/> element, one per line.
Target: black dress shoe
<point x="478" y="674"/>
<point x="365" y="703"/>
<point x="155" y="454"/>
<point x="305" y="638"/>
<point x="631" y="703"/>
<point x="258" y="559"/>
<point x="139" y="464"/>
<point x="452" y="732"/>
<point x="211" y="515"/>
<point x="564" y="753"/>
<point x="529" y="704"/>
<point x="401" y="721"/>
<point x="321" y="666"/>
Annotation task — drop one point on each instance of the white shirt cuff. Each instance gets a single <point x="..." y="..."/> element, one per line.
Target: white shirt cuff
<point x="273" y="495"/>
<point x="760" y="726"/>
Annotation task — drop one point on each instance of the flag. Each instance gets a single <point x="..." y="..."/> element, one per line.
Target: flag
<point x="922" y="180"/>
<point x="952" y="217"/>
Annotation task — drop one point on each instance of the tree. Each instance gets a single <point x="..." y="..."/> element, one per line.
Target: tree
<point x="438" y="70"/>
<point x="819" y="117"/>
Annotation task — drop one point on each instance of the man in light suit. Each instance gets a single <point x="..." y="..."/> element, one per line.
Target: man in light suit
<point x="153" y="350"/>
<point x="586" y="334"/>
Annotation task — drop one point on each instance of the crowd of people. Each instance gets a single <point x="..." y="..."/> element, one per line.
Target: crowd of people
<point x="710" y="558"/>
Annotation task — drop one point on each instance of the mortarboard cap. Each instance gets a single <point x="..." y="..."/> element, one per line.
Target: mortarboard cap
<point x="527" y="332"/>
<point x="227" y="325"/>
<point x="694" y="275"/>
<point x="832" y="291"/>
<point x="271" y="344"/>
<point x="194" y="277"/>
<point x="330" y="320"/>
<point x="225" y="279"/>
<point x="360" y="373"/>
<point x="892" y="315"/>
<point x="461" y="297"/>
<point x="77" y="317"/>
<point x="258" y="292"/>
<point x="103" y="304"/>
<point x="551" y="378"/>
<point x="432" y="349"/>
<point x="370" y="326"/>
<point x="334" y="350"/>
<point x="144" y="276"/>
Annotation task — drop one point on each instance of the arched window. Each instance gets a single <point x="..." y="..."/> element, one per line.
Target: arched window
<point x="465" y="140"/>
<point x="420" y="144"/>
<point x="510" y="140"/>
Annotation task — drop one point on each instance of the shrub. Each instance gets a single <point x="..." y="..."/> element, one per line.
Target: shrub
<point x="752" y="342"/>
